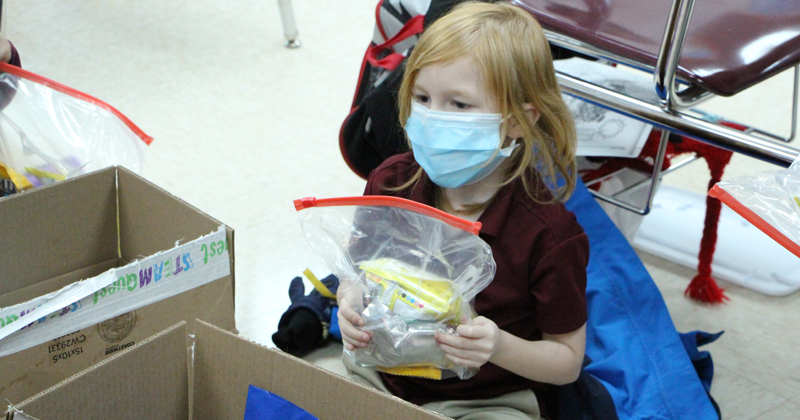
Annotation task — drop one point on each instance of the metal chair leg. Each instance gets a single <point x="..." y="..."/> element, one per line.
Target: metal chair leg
<point x="654" y="179"/>
<point x="3" y="15"/>
<point x="289" y="26"/>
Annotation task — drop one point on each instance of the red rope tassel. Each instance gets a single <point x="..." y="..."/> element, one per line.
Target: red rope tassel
<point x="703" y="287"/>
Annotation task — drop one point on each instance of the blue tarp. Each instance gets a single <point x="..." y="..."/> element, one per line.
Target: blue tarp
<point x="263" y="405"/>
<point x="635" y="350"/>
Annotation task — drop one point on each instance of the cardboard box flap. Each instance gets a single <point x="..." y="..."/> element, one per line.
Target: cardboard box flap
<point x="118" y="291"/>
<point x="88" y="233"/>
<point x="52" y="325"/>
<point x="44" y="287"/>
<point x="166" y="219"/>
<point x="152" y="219"/>
<point x="151" y="380"/>
<point x="146" y="381"/>
<point x="225" y="365"/>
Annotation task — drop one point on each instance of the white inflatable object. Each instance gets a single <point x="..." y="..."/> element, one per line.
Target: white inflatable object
<point x="744" y="255"/>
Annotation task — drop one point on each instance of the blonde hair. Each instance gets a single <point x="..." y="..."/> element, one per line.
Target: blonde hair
<point x="510" y="48"/>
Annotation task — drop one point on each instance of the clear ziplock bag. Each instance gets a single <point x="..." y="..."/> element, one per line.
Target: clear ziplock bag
<point x="50" y="132"/>
<point x="769" y="200"/>
<point x="410" y="270"/>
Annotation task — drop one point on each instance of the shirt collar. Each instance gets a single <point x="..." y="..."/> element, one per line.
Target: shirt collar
<point x="493" y="218"/>
<point x="423" y="190"/>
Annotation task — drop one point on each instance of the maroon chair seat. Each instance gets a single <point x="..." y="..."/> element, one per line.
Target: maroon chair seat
<point x="730" y="44"/>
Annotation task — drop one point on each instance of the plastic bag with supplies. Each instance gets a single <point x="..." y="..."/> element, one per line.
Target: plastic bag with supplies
<point x="50" y="132"/>
<point x="410" y="270"/>
<point x="769" y="200"/>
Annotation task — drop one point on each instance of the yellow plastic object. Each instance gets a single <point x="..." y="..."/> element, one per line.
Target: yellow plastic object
<point x="46" y="174"/>
<point x="429" y="295"/>
<point x="19" y="181"/>
<point x="797" y="200"/>
<point x="324" y="291"/>
<point x="427" y="372"/>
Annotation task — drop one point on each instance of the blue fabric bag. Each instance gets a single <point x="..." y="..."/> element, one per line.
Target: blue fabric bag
<point x="263" y="405"/>
<point x="634" y="349"/>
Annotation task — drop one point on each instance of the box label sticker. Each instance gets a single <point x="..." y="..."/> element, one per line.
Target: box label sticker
<point x="114" y="293"/>
<point x="114" y="330"/>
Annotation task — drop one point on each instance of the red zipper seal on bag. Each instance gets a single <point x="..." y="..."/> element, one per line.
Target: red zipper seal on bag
<point x="387" y="201"/>
<point x="24" y="74"/>
<point x="755" y="219"/>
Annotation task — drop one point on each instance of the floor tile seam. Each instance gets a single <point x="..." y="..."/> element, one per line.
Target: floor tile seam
<point x="742" y="377"/>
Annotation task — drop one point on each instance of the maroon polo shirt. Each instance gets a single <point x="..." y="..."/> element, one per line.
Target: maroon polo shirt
<point x="541" y="254"/>
<point x="7" y="92"/>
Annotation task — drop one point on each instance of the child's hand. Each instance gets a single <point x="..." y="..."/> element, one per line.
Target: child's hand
<point x="475" y="343"/>
<point x="349" y="320"/>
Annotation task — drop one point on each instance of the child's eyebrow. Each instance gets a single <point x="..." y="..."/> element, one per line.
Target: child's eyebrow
<point x="460" y="93"/>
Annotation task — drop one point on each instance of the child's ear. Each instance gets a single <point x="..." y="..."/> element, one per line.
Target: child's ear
<point x="514" y="130"/>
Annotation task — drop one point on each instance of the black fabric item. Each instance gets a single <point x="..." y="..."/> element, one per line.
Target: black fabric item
<point x="371" y="133"/>
<point x="585" y="399"/>
<point x="301" y="334"/>
<point x="303" y="327"/>
<point x="437" y="9"/>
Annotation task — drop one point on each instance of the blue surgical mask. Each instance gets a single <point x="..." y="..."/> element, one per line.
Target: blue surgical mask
<point x="455" y="148"/>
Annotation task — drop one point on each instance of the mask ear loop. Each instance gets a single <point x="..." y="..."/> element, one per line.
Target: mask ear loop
<point x="504" y="133"/>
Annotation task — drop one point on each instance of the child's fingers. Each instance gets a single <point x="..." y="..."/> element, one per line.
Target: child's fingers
<point x="472" y="331"/>
<point x="459" y="342"/>
<point x="464" y="357"/>
<point x="352" y="316"/>
<point x="450" y="340"/>
<point x="355" y="337"/>
<point x="350" y="334"/>
<point x="464" y="362"/>
<point x="353" y="333"/>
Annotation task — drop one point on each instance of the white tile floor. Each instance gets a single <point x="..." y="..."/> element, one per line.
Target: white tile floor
<point x="243" y="126"/>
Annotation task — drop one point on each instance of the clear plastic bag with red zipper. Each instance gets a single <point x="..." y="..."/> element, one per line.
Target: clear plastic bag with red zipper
<point x="50" y="132"/>
<point x="410" y="270"/>
<point x="769" y="200"/>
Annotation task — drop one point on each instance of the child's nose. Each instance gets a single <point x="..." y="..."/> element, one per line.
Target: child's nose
<point x="435" y="105"/>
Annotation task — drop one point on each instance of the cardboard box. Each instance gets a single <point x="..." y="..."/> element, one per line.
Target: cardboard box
<point x="80" y="228"/>
<point x="151" y="381"/>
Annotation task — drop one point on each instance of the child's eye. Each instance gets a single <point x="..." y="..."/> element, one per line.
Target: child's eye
<point x="461" y="105"/>
<point x="422" y="99"/>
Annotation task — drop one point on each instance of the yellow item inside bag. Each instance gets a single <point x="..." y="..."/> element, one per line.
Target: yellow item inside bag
<point x="409" y="291"/>
<point x="427" y="372"/>
<point x="19" y="180"/>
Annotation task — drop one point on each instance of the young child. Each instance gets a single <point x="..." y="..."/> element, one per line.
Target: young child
<point x="493" y="141"/>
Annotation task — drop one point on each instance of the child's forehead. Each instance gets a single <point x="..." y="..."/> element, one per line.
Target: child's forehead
<point x="459" y="74"/>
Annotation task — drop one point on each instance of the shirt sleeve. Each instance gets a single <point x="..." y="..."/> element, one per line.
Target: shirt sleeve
<point x="370" y="188"/>
<point x="8" y="90"/>
<point x="391" y="173"/>
<point x="560" y="286"/>
<point x="15" y="60"/>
